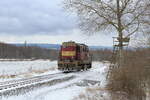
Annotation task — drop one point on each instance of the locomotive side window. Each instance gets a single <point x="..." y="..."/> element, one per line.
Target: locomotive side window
<point x="78" y="48"/>
<point x="84" y="49"/>
<point x="87" y="49"/>
<point x="64" y="46"/>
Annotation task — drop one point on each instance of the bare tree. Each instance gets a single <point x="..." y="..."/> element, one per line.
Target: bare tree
<point x="125" y="17"/>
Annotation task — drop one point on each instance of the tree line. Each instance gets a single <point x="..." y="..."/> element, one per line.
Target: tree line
<point x="8" y="51"/>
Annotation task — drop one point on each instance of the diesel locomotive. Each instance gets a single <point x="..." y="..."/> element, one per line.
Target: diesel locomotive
<point x="74" y="57"/>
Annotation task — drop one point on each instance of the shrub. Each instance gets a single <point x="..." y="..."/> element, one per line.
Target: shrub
<point x="133" y="77"/>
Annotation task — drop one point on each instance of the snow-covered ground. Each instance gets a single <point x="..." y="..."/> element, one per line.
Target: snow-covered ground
<point x="22" y="69"/>
<point x="67" y="90"/>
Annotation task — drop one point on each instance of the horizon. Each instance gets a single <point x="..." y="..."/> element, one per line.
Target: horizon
<point x="53" y="44"/>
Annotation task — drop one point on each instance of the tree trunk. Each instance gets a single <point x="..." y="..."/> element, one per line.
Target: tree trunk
<point x="120" y="35"/>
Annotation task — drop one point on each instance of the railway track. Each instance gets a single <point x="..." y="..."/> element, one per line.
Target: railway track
<point x="8" y="85"/>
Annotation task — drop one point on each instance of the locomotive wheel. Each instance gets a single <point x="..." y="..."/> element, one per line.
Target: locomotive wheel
<point x="89" y="66"/>
<point x="85" y="67"/>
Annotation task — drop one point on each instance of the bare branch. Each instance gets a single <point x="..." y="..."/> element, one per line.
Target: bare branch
<point x="97" y="14"/>
<point x="136" y="29"/>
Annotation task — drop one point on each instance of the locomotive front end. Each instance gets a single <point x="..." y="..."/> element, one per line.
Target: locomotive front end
<point x="67" y="56"/>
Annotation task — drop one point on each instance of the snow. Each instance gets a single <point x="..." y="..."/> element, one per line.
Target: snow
<point x="25" y="68"/>
<point x="66" y="90"/>
<point x="63" y="94"/>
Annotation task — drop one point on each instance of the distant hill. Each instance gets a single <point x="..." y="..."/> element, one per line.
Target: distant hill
<point x="57" y="46"/>
<point x="41" y="45"/>
<point x="100" y="47"/>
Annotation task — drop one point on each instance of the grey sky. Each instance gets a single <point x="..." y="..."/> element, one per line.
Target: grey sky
<point x="33" y="17"/>
<point x="41" y="21"/>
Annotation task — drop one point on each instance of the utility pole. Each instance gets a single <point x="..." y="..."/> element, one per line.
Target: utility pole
<point x="25" y="44"/>
<point x="1" y="50"/>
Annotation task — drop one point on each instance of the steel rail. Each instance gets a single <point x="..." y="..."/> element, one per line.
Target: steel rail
<point x="26" y="81"/>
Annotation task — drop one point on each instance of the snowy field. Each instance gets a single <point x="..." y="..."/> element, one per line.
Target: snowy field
<point x="22" y="69"/>
<point x="67" y="90"/>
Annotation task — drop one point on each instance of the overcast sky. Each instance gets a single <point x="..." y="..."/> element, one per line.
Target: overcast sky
<point x="42" y="21"/>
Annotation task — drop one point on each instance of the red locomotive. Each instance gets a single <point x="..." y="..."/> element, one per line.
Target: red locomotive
<point x="74" y="57"/>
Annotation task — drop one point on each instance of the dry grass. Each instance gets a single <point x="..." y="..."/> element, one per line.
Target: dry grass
<point x="7" y="76"/>
<point x="133" y="77"/>
<point x="43" y="70"/>
<point x="34" y="71"/>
